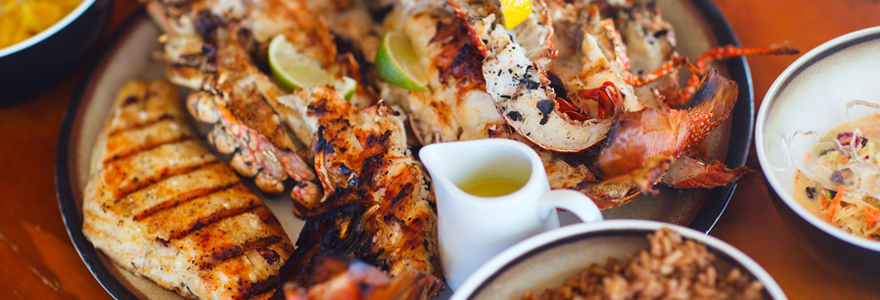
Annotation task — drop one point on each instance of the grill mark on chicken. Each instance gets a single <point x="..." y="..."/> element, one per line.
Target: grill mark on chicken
<point x="147" y="147"/>
<point x="215" y="217"/>
<point x="166" y="173"/>
<point x="135" y="99"/>
<point x="259" y="245"/>
<point x="173" y="212"/>
<point x="249" y="290"/>
<point x="135" y="126"/>
<point x="183" y="198"/>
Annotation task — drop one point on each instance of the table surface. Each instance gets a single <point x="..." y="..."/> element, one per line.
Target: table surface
<point x="38" y="261"/>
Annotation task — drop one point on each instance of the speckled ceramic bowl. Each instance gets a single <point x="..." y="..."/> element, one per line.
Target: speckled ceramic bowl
<point x="811" y="95"/>
<point x="37" y="63"/>
<point x="547" y="260"/>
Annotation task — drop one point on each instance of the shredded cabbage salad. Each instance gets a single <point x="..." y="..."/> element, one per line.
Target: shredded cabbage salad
<point x="851" y="210"/>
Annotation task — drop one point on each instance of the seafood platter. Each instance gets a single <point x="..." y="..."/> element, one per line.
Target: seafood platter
<point x="269" y="148"/>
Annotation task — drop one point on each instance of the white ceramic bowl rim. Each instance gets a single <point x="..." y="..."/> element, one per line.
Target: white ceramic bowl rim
<point x="516" y="252"/>
<point x="819" y="53"/>
<point x="39" y="37"/>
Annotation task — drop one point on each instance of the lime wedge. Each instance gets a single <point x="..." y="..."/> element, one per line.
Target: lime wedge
<point x="347" y="86"/>
<point x="397" y="63"/>
<point x="295" y="70"/>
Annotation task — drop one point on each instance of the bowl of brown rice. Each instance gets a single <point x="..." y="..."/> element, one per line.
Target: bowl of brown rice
<point x="621" y="259"/>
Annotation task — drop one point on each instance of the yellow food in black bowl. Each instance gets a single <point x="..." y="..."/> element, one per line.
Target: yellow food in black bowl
<point x="22" y="19"/>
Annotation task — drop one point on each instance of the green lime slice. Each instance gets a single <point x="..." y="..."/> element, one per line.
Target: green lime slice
<point x="397" y="63"/>
<point x="347" y="86"/>
<point x="295" y="70"/>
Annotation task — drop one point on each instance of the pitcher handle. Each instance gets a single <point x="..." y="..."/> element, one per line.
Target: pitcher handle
<point x="577" y="203"/>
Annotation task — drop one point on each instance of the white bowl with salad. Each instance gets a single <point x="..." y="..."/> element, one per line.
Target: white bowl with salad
<point x="818" y="143"/>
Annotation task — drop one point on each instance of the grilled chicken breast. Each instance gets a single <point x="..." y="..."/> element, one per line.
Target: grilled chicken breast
<point x="161" y="205"/>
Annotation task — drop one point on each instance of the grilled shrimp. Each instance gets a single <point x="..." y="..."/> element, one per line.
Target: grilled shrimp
<point x="226" y="85"/>
<point x="377" y="205"/>
<point x="354" y="22"/>
<point x="343" y="278"/>
<point x="365" y="170"/>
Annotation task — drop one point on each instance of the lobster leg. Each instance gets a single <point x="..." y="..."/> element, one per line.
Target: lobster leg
<point x="723" y="53"/>
<point x="690" y="173"/>
<point x="699" y="68"/>
<point x="668" y="68"/>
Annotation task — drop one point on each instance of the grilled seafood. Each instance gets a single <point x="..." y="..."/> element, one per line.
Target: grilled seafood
<point x="360" y="155"/>
<point x="650" y="43"/>
<point x="160" y="205"/>
<point x="514" y="66"/>
<point x="587" y="82"/>
<point x="338" y="277"/>
<point x="456" y="105"/>
<point x="353" y="22"/>
<point x="690" y="173"/>
<point x="369" y="198"/>
<point x="377" y="205"/>
<point x="648" y="145"/>
<point x="591" y="56"/>
<point x="580" y="171"/>
<point x="650" y="134"/>
<point x="232" y="94"/>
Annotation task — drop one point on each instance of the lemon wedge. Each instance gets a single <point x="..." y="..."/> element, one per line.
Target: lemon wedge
<point x="515" y="12"/>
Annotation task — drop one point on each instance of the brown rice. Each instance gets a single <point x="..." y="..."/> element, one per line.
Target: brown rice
<point x="673" y="269"/>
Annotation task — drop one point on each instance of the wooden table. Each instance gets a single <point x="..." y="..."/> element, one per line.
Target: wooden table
<point x="38" y="261"/>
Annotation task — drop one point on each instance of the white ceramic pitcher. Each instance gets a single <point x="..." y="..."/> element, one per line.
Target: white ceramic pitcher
<point x="473" y="229"/>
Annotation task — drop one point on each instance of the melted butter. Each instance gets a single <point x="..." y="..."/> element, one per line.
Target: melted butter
<point x="492" y="187"/>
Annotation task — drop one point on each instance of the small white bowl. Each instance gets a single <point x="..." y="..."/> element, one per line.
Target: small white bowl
<point x="811" y="94"/>
<point x="548" y="259"/>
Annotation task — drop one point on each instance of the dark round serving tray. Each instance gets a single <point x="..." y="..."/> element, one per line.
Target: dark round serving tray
<point x="740" y="136"/>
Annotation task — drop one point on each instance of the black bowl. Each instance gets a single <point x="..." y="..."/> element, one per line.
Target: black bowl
<point x="38" y="63"/>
